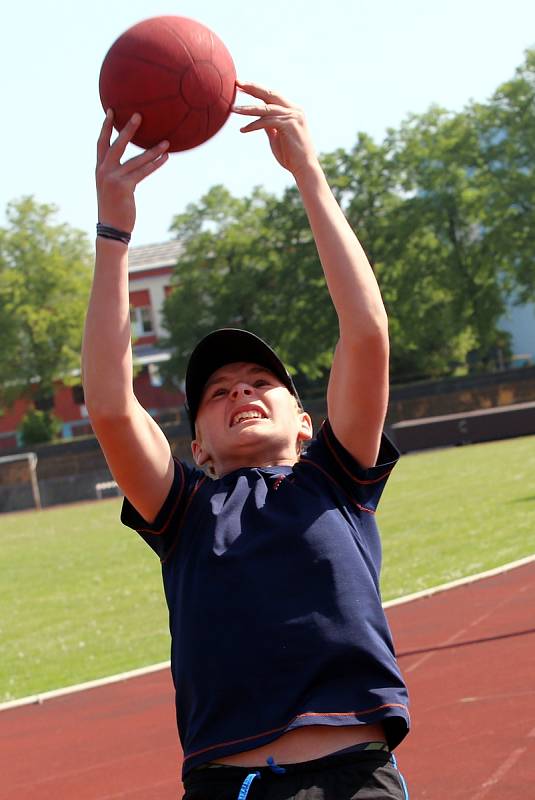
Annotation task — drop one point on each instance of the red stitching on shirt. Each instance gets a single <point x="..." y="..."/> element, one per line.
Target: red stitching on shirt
<point x="299" y="716"/>
<point x="235" y="741"/>
<point x="350" y="713"/>
<point x="326" y="430"/>
<point x="277" y="482"/>
<point x="338" y="486"/>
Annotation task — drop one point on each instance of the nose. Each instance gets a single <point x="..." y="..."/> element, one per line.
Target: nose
<point x="241" y="390"/>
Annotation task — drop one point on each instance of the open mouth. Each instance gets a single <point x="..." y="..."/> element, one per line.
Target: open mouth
<point x="246" y="416"/>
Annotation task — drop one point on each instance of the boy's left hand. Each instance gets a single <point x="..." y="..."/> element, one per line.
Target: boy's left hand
<point x="285" y="125"/>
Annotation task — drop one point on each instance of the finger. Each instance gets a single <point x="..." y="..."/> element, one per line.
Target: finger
<point x="148" y="169"/>
<point x="260" y="111"/>
<point x="125" y="136"/>
<point x="147" y="156"/>
<point x="266" y="122"/>
<point x="103" y="141"/>
<point x="267" y="95"/>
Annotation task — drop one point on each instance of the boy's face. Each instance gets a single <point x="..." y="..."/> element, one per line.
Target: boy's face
<point x="246" y="418"/>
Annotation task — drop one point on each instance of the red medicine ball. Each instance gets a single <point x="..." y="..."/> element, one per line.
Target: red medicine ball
<point x="177" y="74"/>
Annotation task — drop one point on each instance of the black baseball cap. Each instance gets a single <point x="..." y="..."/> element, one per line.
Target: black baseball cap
<point x="226" y="346"/>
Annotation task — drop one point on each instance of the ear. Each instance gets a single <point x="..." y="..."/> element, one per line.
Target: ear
<point x="305" y="429"/>
<point x="200" y="456"/>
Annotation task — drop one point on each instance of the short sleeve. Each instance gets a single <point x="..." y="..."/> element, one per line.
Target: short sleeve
<point x="364" y="486"/>
<point x="161" y="534"/>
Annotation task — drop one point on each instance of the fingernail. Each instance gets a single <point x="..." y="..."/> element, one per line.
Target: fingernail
<point x="109" y="113"/>
<point x="135" y="118"/>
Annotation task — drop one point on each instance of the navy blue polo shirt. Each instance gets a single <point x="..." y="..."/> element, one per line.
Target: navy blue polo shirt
<point x="271" y="577"/>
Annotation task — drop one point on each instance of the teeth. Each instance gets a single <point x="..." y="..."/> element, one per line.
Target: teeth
<point x="246" y="415"/>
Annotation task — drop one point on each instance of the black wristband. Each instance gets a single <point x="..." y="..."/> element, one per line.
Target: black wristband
<point x="107" y="232"/>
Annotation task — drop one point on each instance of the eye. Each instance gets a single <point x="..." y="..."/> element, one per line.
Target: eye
<point x="261" y="382"/>
<point x="221" y="392"/>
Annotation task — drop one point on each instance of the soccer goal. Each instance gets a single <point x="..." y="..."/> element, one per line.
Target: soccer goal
<point x="17" y="471"/>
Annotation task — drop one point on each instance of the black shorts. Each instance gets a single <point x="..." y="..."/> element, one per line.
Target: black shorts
<point x="366" y="775"/>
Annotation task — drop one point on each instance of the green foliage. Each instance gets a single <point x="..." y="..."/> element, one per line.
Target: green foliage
<point x="449" y="284"/>
<point x="445" y="209"/>
<point x="45" y="274"/>
<point x="506" y="131"/>
<point x="250" y="263"/>
<point x="38" y="426"/>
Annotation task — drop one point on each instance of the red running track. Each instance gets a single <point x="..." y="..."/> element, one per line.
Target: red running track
<point x="468" y="655"/>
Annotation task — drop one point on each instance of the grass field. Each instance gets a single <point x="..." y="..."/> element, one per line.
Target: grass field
<point x="81" y="595"/>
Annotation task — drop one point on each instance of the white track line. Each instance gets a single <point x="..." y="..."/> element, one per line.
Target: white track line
<point x="505" y="766"/>
<point x="81" y="687"/>
<point x="460" y="582"/>
<point x="136" y="673"/>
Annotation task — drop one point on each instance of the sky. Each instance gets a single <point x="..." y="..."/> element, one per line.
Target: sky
<point x="352" y="65"/>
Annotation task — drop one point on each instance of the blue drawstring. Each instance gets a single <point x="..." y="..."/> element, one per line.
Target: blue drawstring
<point x="275" y="767"/>
<point x="246" y="785"/>
<point x="393" y="759"/>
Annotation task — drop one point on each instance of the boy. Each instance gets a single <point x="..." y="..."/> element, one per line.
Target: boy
<point x="281" y="654"/>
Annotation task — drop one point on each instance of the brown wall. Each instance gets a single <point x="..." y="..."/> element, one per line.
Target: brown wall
<point x="68" y="471"/>
<point x="457" y="395"/>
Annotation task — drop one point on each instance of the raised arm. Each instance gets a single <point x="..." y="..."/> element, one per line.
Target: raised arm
<point x="135" y="447"/>
<point x="357" y="395"/>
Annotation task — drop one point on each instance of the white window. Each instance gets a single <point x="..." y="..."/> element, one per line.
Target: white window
<point x="141" y="321"/>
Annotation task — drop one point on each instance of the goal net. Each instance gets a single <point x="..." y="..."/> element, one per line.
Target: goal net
<point x="19" y="487"/>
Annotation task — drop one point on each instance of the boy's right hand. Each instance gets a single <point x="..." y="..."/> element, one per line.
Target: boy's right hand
<point x="116" y="182"/>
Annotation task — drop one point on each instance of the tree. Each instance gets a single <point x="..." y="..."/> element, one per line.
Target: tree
<point x="250" y="263"/>
<point x="445" y="209"/>
<point x="443" y="251"/>
<point x="415" y="203"/>
<point x="45" y="273"/>
<point x="408" y="199"/>
<point x="38" y="426"/>
<point x="506" y="131"/>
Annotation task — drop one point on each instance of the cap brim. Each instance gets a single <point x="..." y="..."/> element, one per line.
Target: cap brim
<point x="226" y="346"/>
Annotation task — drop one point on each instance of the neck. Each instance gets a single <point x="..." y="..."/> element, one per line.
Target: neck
<point x="231" y="465"/>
